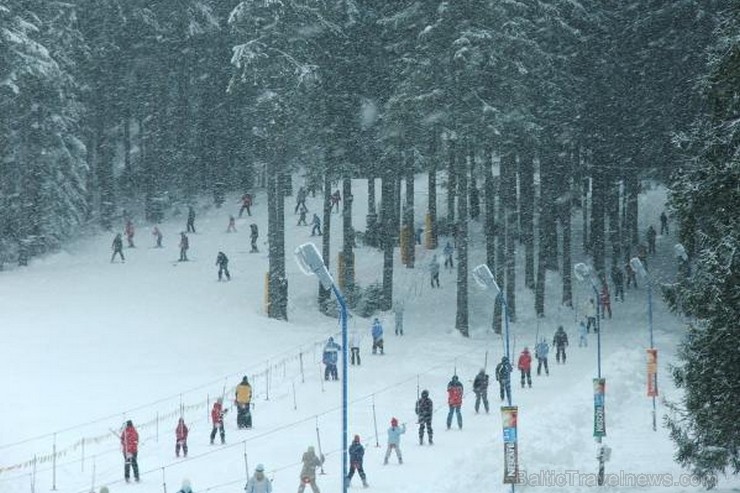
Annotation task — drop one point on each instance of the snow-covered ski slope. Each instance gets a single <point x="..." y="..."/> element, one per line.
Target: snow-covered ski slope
<point x="88" y="344"/>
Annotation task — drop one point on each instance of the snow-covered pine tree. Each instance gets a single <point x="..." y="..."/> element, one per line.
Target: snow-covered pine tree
<point x="705" y="200"/>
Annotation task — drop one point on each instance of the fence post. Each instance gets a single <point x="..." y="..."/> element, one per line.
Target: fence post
<point x="82" y="461"/>
<point x="164" y="482"/>
<point x="375" y="424"/>
<point x="295" y="403"/>
<point x="54" y="465"/>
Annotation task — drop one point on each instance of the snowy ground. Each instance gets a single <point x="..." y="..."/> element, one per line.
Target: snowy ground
<point x="88" y="344"/>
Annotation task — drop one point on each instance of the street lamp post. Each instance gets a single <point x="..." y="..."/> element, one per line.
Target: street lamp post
<point x="484" y="278"/>
<point x="639" y="268"/>
<point x="584" y="273"/>
<point x="310" y="262"/>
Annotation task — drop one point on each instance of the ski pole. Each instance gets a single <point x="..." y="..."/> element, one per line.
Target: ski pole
<point x="375" y="424"/>
<point x="318" y="442"/>
<point x="295" y="403"/>
<point x="246" y="463"/>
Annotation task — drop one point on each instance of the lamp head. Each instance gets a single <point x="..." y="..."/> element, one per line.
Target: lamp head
<point x="484" y="278"/>
<point x="310" y="262"/>
<point x="582" y="271"/>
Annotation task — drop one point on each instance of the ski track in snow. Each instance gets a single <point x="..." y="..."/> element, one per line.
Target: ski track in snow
<point x="89" y="344"/>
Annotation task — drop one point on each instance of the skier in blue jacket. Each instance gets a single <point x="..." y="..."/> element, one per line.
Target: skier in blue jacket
<point x="394" y="440"/>
<point x="330" y="358"/>
<point x="377" y="332"/>
<point x="541" y="350"/>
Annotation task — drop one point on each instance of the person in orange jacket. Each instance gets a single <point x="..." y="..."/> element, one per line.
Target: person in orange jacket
<point x="181" y="437"/>
<point x="130" y="447"/>
<point x="525" y="366"/>
<point x="217" y="418"/>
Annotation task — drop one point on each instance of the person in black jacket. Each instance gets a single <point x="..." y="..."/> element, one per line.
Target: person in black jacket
<point x="503" y="377"/>
<point x="190" y="226"/>
<point x="480" y="387"/>
<point x="253" y="235"/>
<point x="560" y="341"/>
<point x="356" y="454"/>
<point x="117" y="248"/>
<point x="424" y="408"/>
<point x="223" y="266"/>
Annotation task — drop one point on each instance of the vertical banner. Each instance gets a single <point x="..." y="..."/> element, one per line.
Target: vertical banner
<point x="599" y="411"/>
<point x="652" y="372"/>
<point x="511" y="460"/>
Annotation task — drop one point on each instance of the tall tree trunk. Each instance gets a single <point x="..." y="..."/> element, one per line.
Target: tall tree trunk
<point x="431" y="241"/>
<point x="325" y="294"/>
<point x="565" y="221"/>
<point x="527" y="204"/>
<point x="348" y="234"/>
<point x="105" y="155"/>
<point x="630" y="234"/>
<point x="612" y="209"/>
<point x="388" y="235"/>
<point x="508" y="181"/>
<point x="461" y="236"/>
<point x="598" y="198"/>
<point x="451" y="186"/>
<point x="408" y="213"/>
<point x="277" y="305"/>
<point x="490" y="226"/>
<point x="500" y="272"/>
<point x="539" y="291"/>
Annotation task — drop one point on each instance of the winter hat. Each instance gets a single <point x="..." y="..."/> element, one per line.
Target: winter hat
<point x="186" y="486"/>
<point x="357" y="438"/>
<point x="129" y="423"/>
<point x="245" y="380"/>
<point x="425" y="393"/>
<point x="394" y="422"/>
<point x="259" y="468"/>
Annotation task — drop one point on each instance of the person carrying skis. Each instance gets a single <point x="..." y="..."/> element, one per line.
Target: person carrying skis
<point x="541" y="350"/>
<point x="336" y="197"/>
<point x="377" y="333"/>
<point x="157" y="237"/>
<point x="651" y="234"/>
<point x="605" y="299"/>
<point x="217" y="418"/>
<point x="190" y="226"/>
<point x="184" y="245"/>
<point x="300" y="200"/>
<point x="315" y="225"/>
<point x="243" y="402"/>
<point x="356" y="455"/>
<point x="117" y="247"/>
<point x="129" y="231"/>
<point x="231" y="228"/>
<point x="354" y="347"/>
<point x="246" y="204"/>
<point x="664" y="224"/>
<point x="582" y="335"/>
<point x="394" y="441"/>
<point x="525" y="366"/>
<point x="398" y="317"/>
<point x="302" y="217"/>
<point x="618" y="281"/>
<point x="253" y="235"/>
<point x="448" y="250"/>
<point x="181" y="438"/>
<point x="222" y="261"/>
<point x="308" y="472"/>
<point x="130" y="446"/>
<point x="480" y="388"/>
<point x="589" y="310"/>
<point x="330" y="358"/>
<point x="560" y="341"/>
<point x="454" y="400"/>
<point x="258" y="483"/>
<point x="434" y="270"/>
<point x="424" y="409"/>
<point x="503" y="377"/>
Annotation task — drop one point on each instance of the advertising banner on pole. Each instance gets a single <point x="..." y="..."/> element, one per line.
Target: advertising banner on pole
<point x="599" y="411"/>
<point x="652" y="372"/>
<point x="509" y="415"/>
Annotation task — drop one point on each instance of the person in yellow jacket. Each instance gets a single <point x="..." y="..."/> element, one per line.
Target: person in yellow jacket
<point x="243" y="402"/>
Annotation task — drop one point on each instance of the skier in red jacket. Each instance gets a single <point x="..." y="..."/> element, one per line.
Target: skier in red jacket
<point x="181" y="437"/>
<point x="217" y="418"/>
<point x="454" y="400"/>
<point x="525" y="366"/>
<point x="130" y="446"/>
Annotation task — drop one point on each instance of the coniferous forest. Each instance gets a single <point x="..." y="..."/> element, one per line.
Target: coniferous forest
<point x="528" y="116"/>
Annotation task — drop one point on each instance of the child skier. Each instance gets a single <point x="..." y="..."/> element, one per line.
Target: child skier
<point x="424" y="409"/>
<point x="117" y="247"/>
<point x="181" y="438"/>
<point x="377" y="333"/>
<point x="253" y="235"/>
<point x="525" y="366"/>
<point x="217" y="418"/>
<point x="503" y="377"/>
<point x="454" y="400"/>
<point x="394" y="440"/>
<point x="222" y="261"/>
<point x="356" y="455"/>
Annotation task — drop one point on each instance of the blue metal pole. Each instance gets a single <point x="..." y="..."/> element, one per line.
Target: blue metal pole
<point x="508" y="353"/>
<point x="650" y="324"/>
<point x="345" y="378"/>
<point x="600" y="476"/>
